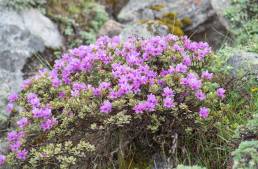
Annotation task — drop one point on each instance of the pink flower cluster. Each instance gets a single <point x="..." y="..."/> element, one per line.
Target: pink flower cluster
<point x="148" y="105"/>
<point x="15" y="144"/>
<point x="168" y="94"/>
<point x="129" y="67"/>
<point x="41" y="112"/>
<point x="16" y="138"/>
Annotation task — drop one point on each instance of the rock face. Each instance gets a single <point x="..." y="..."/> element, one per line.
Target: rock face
<point x="21" y="35"/>
<point x="41" y="26"/>
<point x="143" y="31"/>
<point x="198" y="12"/>
<point x="207" y="18"/>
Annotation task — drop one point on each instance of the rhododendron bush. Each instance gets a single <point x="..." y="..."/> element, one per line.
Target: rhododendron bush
<point x="101" y="99"/>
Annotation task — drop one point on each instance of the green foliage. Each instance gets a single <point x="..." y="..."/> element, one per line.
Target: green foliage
<point x="249" y="130"/>
<point x="246" y="156"/>
<point x="24" y="4"/>
<point x="81" y="21"/>
<point x="66" y="154"/>
<point x="189" y="167"/>
<point x="240" y="105"/>
<point x="243" y="15"/>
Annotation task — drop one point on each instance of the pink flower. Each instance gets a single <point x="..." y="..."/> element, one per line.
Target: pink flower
<point x="168" y="102"/>
<point x="221" y="93"/>
<point x="56" y="82"/>
<point x="61" y="95"/>
<point x="48" y="124"/>
<point x="187" y="61"/>
<point x="9" y="107"/>
<point x="22" y="154"/>
<point x="106" y="107"/>
<point x="181" y="68"/>
<point x="41" y="112"/>
<point x="200" y="95"/>
<point x="139" y="108"/>
<point x="204" y="112"/>
<point x="167" y="92"/>
<point x="151" y="102"/>
<point x="191" y="81"/>
<point x="13" y="97"/>
<point x="96" y="91"/>
<point x="15" y="146"/>
<point x="26" y="84"/>
<point x="151" y="98"/>
<point x="33" y="99"/>
<point x="12" y="136"/>
<point x="104" y="85"/>
<point x="2" y="159"/>
<point x="207" y="75"/>
<point x="23" y="122"/>
<point x="194" y="83"/>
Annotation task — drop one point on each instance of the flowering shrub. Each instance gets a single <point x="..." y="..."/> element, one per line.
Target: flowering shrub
<point x="101" y="98"/>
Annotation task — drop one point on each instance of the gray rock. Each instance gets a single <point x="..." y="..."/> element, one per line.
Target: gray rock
<point x="3" y="146"/>
<point x="34" y="22"/>
<point x="244" y="61"/>
<point x="110" y="28"/>
<point x="220" y="7"/>
<point x="22" y="34"/>
<point x="208" y="22"/>
<point x="144" y="31"/>
<point x="41" y="26"/>
<point x="140" y="9"/>
<point x="16" y="46"/>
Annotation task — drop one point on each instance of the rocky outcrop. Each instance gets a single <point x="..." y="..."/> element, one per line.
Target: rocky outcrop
<point x="143" y="31"/>
<point x="207" y="16"/>
<point x="141" y="9"/>
<point x="21" y="35"/>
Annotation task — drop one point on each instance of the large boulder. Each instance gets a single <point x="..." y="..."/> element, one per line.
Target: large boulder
<point x="207" y="16"/>
<point x="22" y="34"/>
<point x="145" y="10"/>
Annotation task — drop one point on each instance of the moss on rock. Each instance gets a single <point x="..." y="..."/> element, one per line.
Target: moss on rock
<point x="157" y="7"/>
<point x="175" y="25"/>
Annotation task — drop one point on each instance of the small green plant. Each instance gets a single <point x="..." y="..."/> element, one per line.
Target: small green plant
<point x="243" y="15"/>
<point x="246" y="156"/>
<point x="248" y="131"/>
